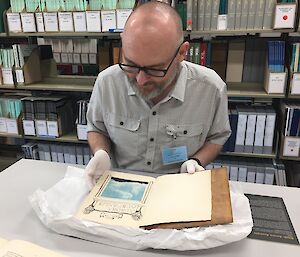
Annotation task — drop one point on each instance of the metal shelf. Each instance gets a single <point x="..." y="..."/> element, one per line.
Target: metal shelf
<point x="249" y="155"/>
<point x="68" y="138"/>
<point x="63" y="83"/>
<point x="294" y="96"/>
<point x="289" y="158"/>
<point x="66" y="34"/>
<point x="85" y="84"/>
<point x="193" y="34"/>
<point x="263" y="32"/>
<point x="10" y="135"/>
<point x="7" y="87"/>
<point x="255" y="90"/>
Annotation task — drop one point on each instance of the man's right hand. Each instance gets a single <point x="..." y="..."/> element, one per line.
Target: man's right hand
<point x="96" y="166"/>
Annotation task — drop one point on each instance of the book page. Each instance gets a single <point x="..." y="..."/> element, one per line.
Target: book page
<point x="179" y="198"/>
<point x="3" y="242"/>
<point x="20" y="248"/>
<point x="117" y="199"/>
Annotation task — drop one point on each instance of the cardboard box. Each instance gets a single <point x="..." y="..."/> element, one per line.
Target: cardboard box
<point x="291" y="146"/>
<point x="31" y="72"/>
<point x="108" y="20"/>
<point x="284" y="17"/>
<point x="93" y="21"/>
<point x="275" y="82"/>
<point x="39" y="18"/>
<point x="65" y="20"/>
<point x="50" y="21"/>
<point x="79" y="21"/>
<point x="13" y="21"/>
<point x="28" y="22"/>
<point x="295" y="84"/>
<point x="82" y="132"/>
<point x="122" y="16"/>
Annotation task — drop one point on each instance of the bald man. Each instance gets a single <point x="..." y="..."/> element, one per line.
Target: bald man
<point x="153" y="111"/>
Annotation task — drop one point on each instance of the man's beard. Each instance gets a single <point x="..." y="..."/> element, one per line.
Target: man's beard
<point x="157" y="88"/>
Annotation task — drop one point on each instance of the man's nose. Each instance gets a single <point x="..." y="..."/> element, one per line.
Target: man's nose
<point x="142" y="78"/>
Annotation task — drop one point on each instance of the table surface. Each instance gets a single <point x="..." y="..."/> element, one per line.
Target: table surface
<point x="19" y="221"/>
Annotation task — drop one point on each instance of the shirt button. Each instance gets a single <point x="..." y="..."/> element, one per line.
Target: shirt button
<point x="121" y="123"/>
<point x="149" y="163"/>
<point x="154" y="113"/>
<point x="151" y="139"/>
<point x="185" y="132"/>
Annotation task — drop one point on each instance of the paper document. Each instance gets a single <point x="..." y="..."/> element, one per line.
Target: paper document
<point x="20" y="248"/>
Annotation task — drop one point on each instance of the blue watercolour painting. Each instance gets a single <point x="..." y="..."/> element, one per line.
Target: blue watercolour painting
<point x="124" y="189"/>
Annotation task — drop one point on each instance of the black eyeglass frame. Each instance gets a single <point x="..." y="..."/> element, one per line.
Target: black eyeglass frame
<point x="145" y="69"/>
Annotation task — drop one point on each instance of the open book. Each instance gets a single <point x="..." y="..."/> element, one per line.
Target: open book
<point x="140" y="201"/>
<point x="20" y="248"/>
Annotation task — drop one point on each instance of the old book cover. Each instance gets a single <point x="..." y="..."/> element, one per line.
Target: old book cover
<point x="221" y="204"/>
<point x="20" y="248"/>
<point x="140" y="201"/>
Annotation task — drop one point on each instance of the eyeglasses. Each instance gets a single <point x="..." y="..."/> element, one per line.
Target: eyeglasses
<point x="149" y="71"/>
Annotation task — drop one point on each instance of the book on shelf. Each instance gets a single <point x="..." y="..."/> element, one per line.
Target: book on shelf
<point x="199" y="199"/>
<point x="201" y="11"/>
<point x="235" y="61"/>
<point x="263" y="171"/>
<point x="25" y="249"/>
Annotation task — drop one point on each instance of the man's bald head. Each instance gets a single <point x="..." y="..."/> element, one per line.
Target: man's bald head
<point x="157" y="20"/>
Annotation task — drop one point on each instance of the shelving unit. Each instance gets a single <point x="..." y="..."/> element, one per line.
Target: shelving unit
<point x="67" y="138"/>
<point x="254" y="155"/>
<point x="251" y="92"/>
<point x="63" y="83"/>
<point x="66" y="34"/>
<point x="262" y="32"/>
<point x="254" y="90"/>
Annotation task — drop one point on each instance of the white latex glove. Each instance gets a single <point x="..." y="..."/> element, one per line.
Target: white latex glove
<point x="190" y="166"/>
<point x="96" y="166"/>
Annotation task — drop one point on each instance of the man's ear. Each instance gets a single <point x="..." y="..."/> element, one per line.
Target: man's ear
<point x="183" y="50"/>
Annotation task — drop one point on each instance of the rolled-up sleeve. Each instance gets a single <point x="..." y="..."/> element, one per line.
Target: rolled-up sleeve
<point x="220" y="129"/>
<point x="95" y="121"/>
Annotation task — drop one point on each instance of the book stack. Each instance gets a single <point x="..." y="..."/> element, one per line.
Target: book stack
<point x="276" y="56"/>
<point x="212" y="15"/>
<point x="10" y="114"/>
<point x="263" y="171"/>
<point x="50" y="116"/>
<point x="65" y="153"/>
<point x="68" y="16"/>
<point x="236" y="61"/>
<point x="20" y="64"/>
<point x="275" y="73"/>
<point x="253" y="129"/>
<point x="290" y="137"/>
<point x="81" y="120"/>
<point x="57" y="152"/>
<point x="74" y="56"/>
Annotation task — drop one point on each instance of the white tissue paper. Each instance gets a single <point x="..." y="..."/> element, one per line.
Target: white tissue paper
<point x="56" y="207"/>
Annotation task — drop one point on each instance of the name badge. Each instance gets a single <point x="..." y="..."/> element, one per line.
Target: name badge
<point x="174" y="155"/>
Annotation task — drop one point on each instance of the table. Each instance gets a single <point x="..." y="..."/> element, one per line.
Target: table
<point x="18" y="220"/>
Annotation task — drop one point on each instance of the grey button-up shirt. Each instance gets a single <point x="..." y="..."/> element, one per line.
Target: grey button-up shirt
<point x="195" y="112"/>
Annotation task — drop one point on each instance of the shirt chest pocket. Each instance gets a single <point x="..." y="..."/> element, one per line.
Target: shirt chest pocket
<point x="191" y="135"/>
<point x="124" y="133"/>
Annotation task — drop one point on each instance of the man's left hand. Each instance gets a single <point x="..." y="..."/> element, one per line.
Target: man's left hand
<point x="190" y="166"/>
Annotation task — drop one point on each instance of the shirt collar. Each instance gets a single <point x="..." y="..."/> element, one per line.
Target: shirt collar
<point x="179" y="89"/>
<point x="180" y="85"/>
